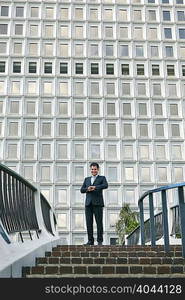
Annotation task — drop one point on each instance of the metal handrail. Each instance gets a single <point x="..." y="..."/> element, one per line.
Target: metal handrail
<point x="133" y="237"/>
<point x="46" y="208"/>
<point x="17" y="205"/>
<point x="165" y="221"/>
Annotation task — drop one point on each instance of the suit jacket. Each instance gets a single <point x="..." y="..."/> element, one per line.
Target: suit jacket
<point x="95" y="197"/>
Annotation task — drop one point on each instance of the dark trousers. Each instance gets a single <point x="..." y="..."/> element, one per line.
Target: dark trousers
<point x="97" y="211"/>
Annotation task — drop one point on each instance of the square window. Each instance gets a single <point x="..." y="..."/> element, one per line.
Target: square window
<point x="110" y="88"/>
<point x="167" y="33"/>
<point x="33" y="49"/>
<point x="3" y="28"/>
<point x="125" y="89"/>
<point x="95" y="129"/>
<point x="140" y="69"/>
<point x="2" y="66"/>
<point x="170" y="70"/>
<point x="16" y="67"/>
<point x="34" y="12"/>
<point x="19" y="11"/>
<point x="94" y="68"/>
<point x="32" y="67"/>
<point x="154" y="51"/>
<point x="166" y="15"/>
<point x="111" y="109"/>
<point x="141" y="89"/>
<point x="155" y="70"/>
<point x="180" y="15"/>
<point x="139" y="51"/>
<point x="182" y="33"/>
<point x="64" y="31"/>
<point x="17" y="48"/>
<point x="95" y="89"/>
<point x="126" y="109"/>
<point x="95" y="108"/>
<point x="160" y="152"/>
<point x="109" y="50"/>
<point x="159" y="130"/>
<point x="158" y="109"/>
<point x="4" y="11"/>
<point x="63" y="68"/>
<point x="144" y="152"/>
<point x="127" y="130"/>
<point x="95" y="151"/>
<point x="176" y="152"/>
<point x="94" y="50"/>
<point x="64" y="13"/>
<point x="142" y="109"/>
<point x="125" y="69"/>
<point x="169" y="51"/>
<point x="48" y="68"/>
<point x="79" y="49"/>
<point x="109" y="69"/>
<point x="124" y="50"/>
<point x="18" y="29"/>
<point x="79" y="68"/>
<point x="3" y="47"/>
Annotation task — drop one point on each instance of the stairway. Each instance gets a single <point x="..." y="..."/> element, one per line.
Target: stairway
<point x="108" y="262"/>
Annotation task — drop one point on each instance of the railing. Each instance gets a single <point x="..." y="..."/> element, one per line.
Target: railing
<point x="176" y="227"/>
<point x="17" y="206"/>
<point x="134" y="237"/>
<point x="46" y="208"/>
<point x="153" y="231"/>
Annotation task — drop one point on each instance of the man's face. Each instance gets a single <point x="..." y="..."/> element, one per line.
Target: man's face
<point x="94" y="170"/>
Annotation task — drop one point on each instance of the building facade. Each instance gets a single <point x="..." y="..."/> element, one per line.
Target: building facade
<point x="96" y="80"/>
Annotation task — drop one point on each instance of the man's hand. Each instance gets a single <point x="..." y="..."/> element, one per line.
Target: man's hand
<point x="91" y="188"/>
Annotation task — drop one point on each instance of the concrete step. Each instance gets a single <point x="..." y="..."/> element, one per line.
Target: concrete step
<point x="128" y="270"/>
<point x="108" y="261"/>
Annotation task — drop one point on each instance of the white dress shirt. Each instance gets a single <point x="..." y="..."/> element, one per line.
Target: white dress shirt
<point x="93" y="179"/>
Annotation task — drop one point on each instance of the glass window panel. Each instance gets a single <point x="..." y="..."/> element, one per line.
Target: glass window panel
<point x="129" y="173"/>
<point x="62" y="152"/>
<point x="63" y="128"/>
<point x="128" y="151"/>
<point x="3" y="47"/>
<point x="127" y="130"/>
<point x="45" y="173"/>
<point x="176" y="152"/>
<point x="145" y="174"/>
<point x="160" y="152"/>
<point x="144" y="151"/>
<point x="95" y="151"/>
<point x="79" y="173"/>
<point x="30" y="128"/>
<point x="162" y="173"/>
<point x="29" y="151"/>
<point x="46" y="151"/>
<point x="95" y="129"/>
<point x="112" y="174"/>
<point x="112" y="152"/>
<point x="178" y="174"/>
<point x="79" y="151"/>
<point x="62" y="173"/>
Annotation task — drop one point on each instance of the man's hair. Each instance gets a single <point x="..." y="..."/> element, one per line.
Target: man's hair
<point x="94" y="164"/>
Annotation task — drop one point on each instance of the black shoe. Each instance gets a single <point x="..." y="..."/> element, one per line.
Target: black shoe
<point x="99" y="243"/>
<point x="89" y="244"/>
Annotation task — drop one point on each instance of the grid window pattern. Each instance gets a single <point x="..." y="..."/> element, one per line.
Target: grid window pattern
<point x="105" y="84"/>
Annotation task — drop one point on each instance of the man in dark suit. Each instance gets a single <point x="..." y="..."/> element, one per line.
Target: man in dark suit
<point x="93" y="187"/>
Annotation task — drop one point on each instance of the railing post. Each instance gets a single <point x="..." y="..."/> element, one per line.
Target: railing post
<point x="165" y="221"/>
<point x="182" y="217"/>
<point x="142" y="225"/>
<point x="152" y="225"/>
